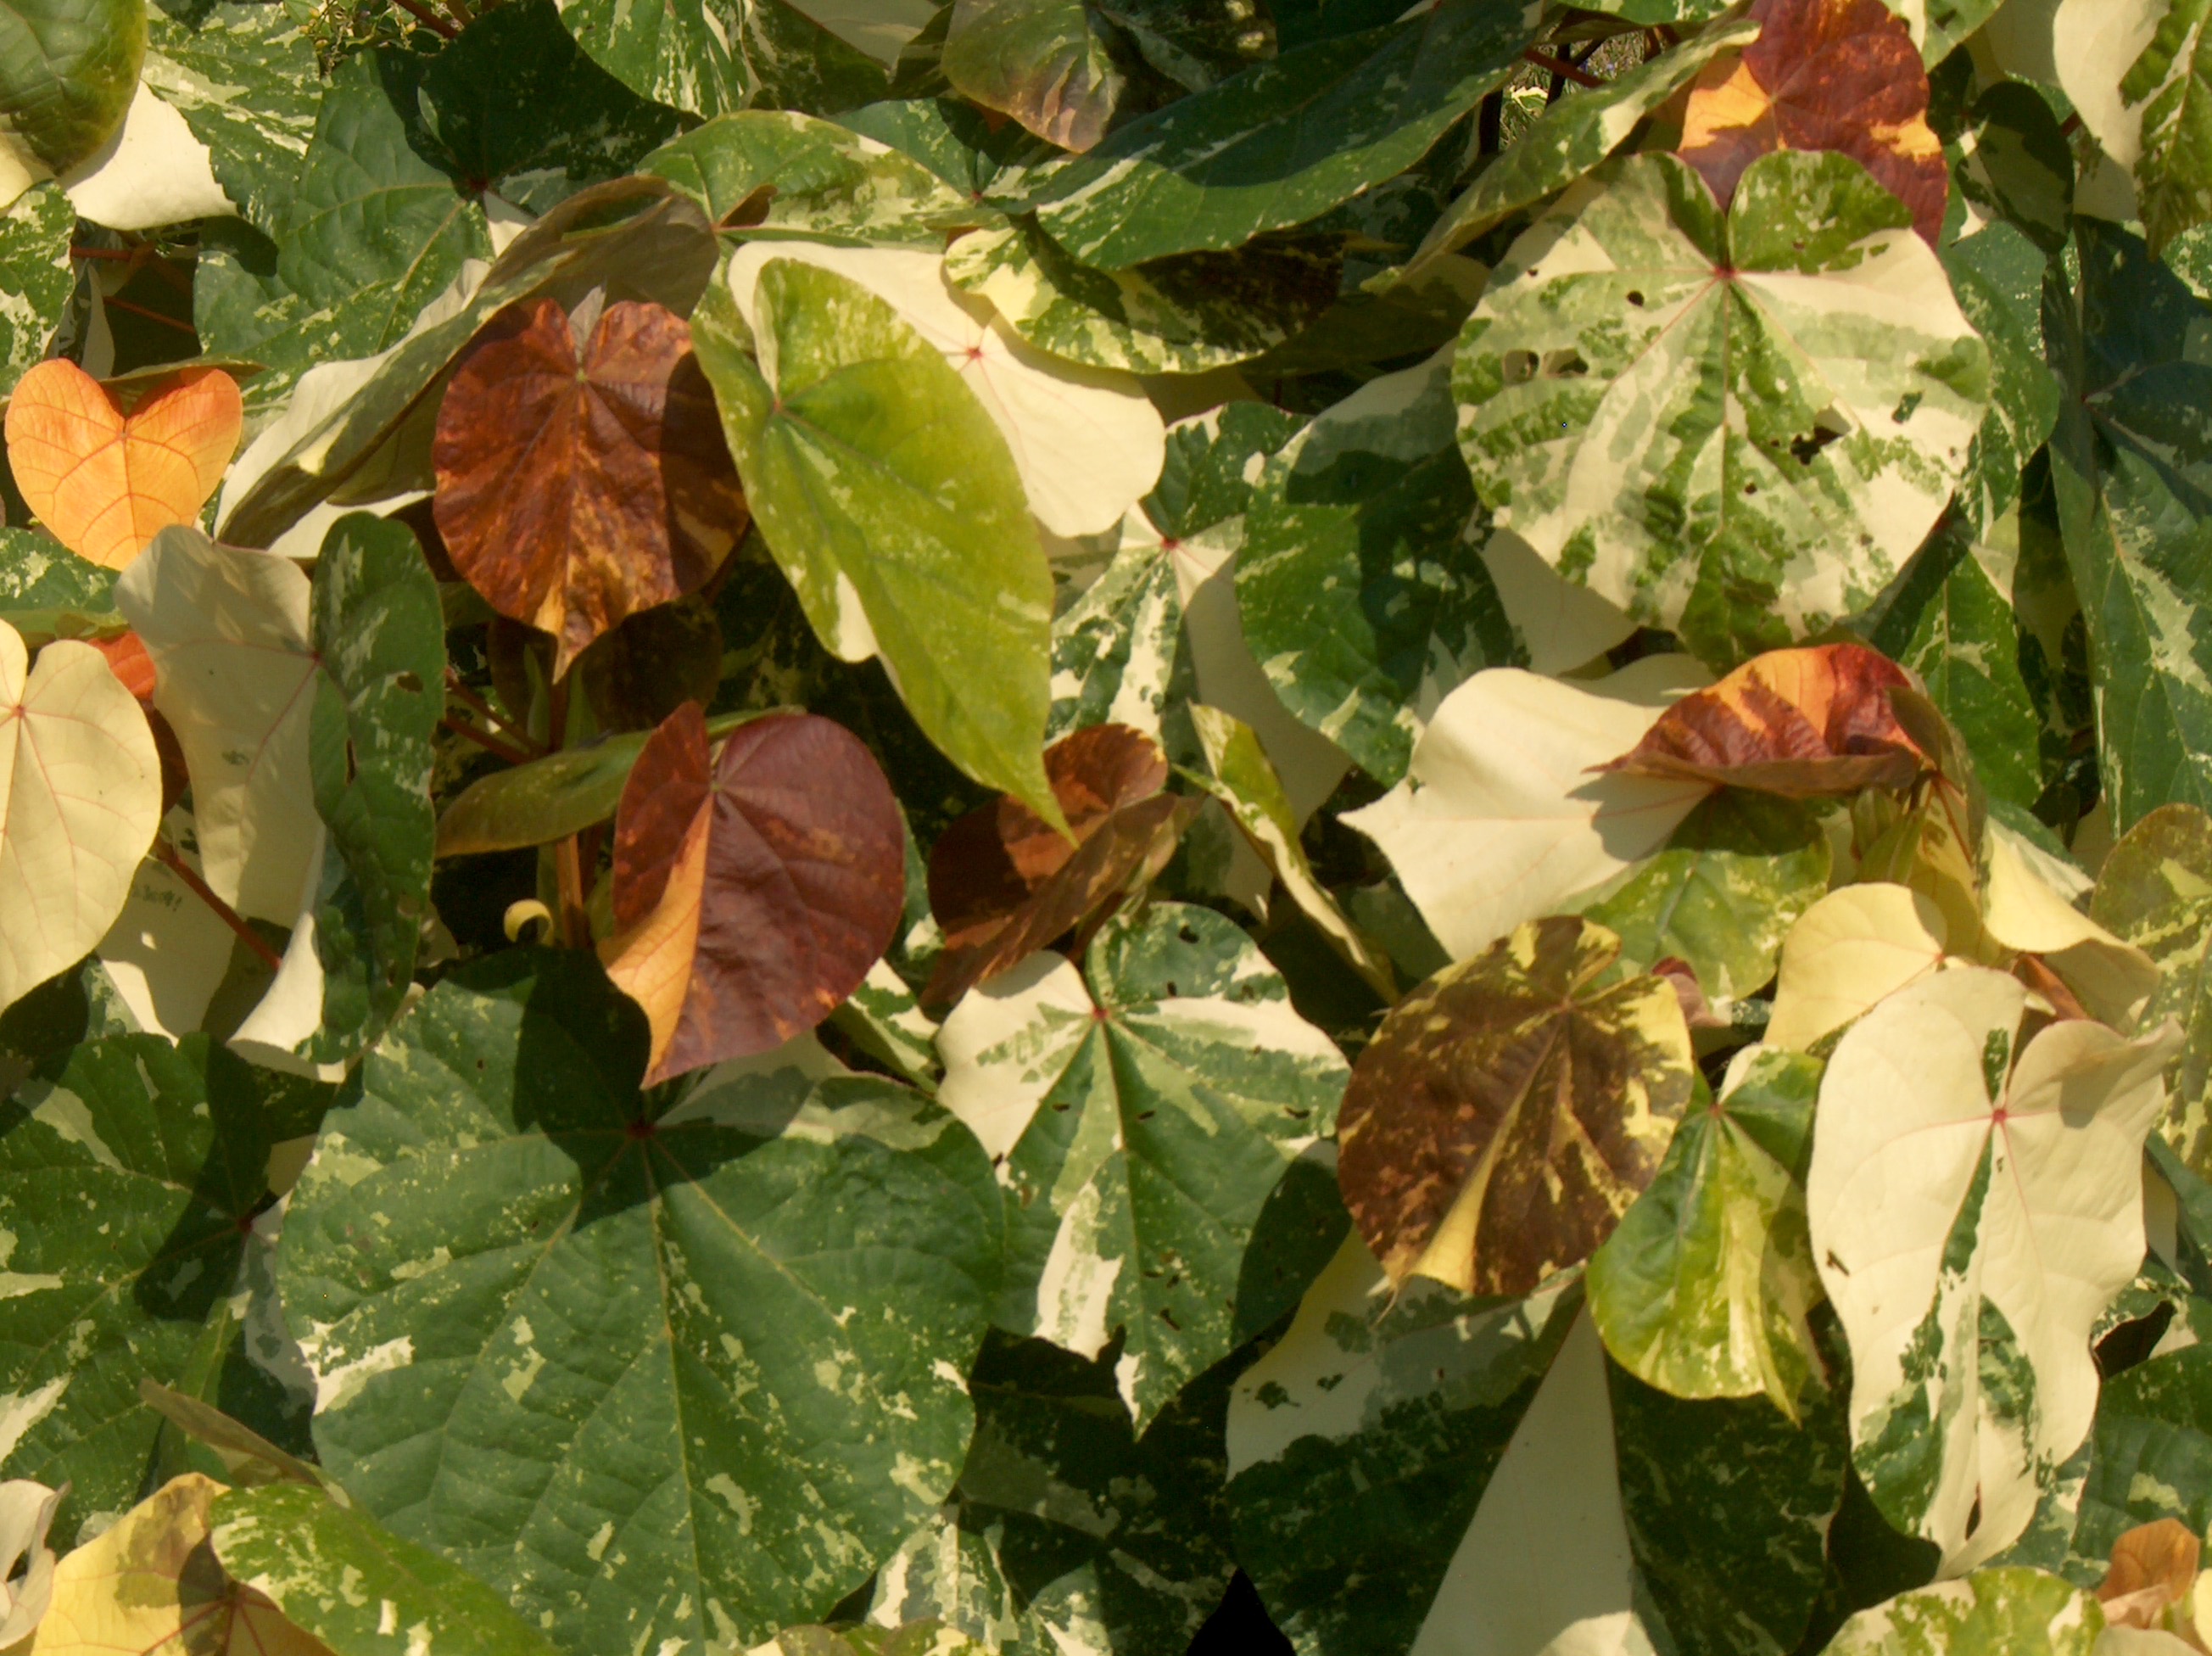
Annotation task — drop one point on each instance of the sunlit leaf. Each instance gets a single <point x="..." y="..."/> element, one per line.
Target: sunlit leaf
<point x="1849" y="950"/>
<point x="784" y="171"/>
<point x="2012" y="1611"/>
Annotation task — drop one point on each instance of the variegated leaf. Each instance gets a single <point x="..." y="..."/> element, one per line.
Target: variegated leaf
<point x="2155" y="891"/>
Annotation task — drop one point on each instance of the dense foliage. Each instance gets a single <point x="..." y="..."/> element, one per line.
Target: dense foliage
<point x="884" y="825"/>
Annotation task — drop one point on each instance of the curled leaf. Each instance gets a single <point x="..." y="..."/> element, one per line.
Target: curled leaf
<point x="753" y="888"/>
<point x="1803" y="723"/>
<point x="1510" y="1109"/>
<point x="1003" y="884"/>
<point x="2153" y="1565"/>
<point x="582" y="475"/>
<point x="1839" y="75"/>
<point x="103" y="482"/>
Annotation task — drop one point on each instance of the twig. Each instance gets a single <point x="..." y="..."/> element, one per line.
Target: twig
<point x="491" y="714"/>
<point x="428" y="18"/>
<point x="567" y="857"/>
<point x="486" y="740"/>
<point x="1574" y="72"/>
<point x="151" y="315"/>
<point x="165" y="853"/>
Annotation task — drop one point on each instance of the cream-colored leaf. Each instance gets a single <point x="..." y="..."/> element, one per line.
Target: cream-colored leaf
<point x="2026" y="912"/>
<point x="79" y="799"/>
<point x="1850" y="949"/>
<point x="2094" y="43"/>
<point x="26" y="1509"/>
<point x="1088" y="443"/>
<point x="1499" y="818"/>
<point x="235" y="678"/>
<point x="1010" y="1019"/>
<point x="1971" y="1217"/>
<point x="167" y="950"/>
<point x="1563" y="623"/>
<point x="153" y="172"/>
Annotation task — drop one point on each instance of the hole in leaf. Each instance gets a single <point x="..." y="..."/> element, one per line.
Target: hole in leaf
<point x="1809" y="447"/>
<point x="1566" y="365"/>
<point x="1519" y="367"/>
<point x="1636" y="297"/>
<point x="409" y="683"/>
<point x="352" y="762"/>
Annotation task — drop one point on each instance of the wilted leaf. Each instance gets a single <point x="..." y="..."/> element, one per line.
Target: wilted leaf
<point x="685" y="1363"/>
<point x="1499" y="820"/>
<point x="1840" y="75"/>
<point x="1676" y="407"/>
<point x="1142" y="1113"/>
<point x="1849" y="950"/>
<point x="2155" y="891"/>
<point x="79" y="799"/>
<point x="1971" y="1217"/>
<point x="67" y="73"/>
<point x="1510" y="1109"/>
<point x="1041" y="61"/>
<point x="1704" y="1288"/>
<point x="2013" y="1612"/>
<point x="924" y="553"/>
<point x="104" y="483"/>
<point x="1003" y="884"/>
<point x="1802" y="723"/>
<point x="582" y="479"/>
<point x="152" y="1585"/>
<point x="753" y="888"/>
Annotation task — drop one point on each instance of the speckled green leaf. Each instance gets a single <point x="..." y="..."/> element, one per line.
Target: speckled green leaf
<point x="988" y="161"/>
<point x="678" y="1367"/>
<point x="710" y="57"/>
<point x="2132" y="463"/>
<point x="130" y="1172"/>
<point x="1285" y="141"/>
<point x="1181" y="314"/>
<point x="803" y="176"/>
<point x="1575" y="134"/>
<point x="1363" y="597"/>
<point x="2155" y="891"/>
<point x="2012" y="162"/>
<point x="1948" y="621"/>
<point x="1704" y="1288"/>
<point x="1738" y="428"/>
<point x="47" y="591"/>
<point x="1722" y="895"/>
<point x="1938" y="26"/>
<point x="379" y="641"/>
<point x="1997" y="278"/>
<point x="1142" y="1113"/>
<point x="244" y="79"/>
<point x="2167" y="92"/>
<point x="1660" y="11"/>
<point x="67" y="70"/>
<point x="1069" y="1534"/>
<point x="1997" y="1612"/>
<point x="36" y="277"/>
<point x="2152" y="1452"/>
<point x="338" y="1573"/>
<point x="888" y="497"/>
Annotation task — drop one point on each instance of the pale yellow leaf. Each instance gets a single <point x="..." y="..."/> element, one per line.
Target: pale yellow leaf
<point x="1850" y="949"/>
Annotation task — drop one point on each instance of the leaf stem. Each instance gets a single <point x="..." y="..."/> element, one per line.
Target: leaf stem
<point x="151" y="314"/>
<point x="1574" y="72"/>
<point x="428" y="19"/>
<point x="574" y="923"/>
<point x="165" y="853"/>
<point x="492" y="716"/>
<point x="486" y="740"/>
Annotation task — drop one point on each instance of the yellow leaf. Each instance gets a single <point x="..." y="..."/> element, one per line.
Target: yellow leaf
<point x="1851" y="948"/>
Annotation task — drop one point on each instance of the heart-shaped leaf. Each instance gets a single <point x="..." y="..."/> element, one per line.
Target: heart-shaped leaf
<point x="1510" y="1109"/>
<point x="80" y="800"/>
<point x="583" y="479"/>
<point x="105" y="482"/>
<point x="753" y="888"/>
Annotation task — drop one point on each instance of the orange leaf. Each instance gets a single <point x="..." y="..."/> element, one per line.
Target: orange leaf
<point x="752" y="890"/>
<point x="2153" y="1565"/>
<point x="104" y="484"/>
<point x="1002" y="884"/>
<point x="577" y="486"/>
<point x="1840" y="75"/>
<point x="1803" y="723"/>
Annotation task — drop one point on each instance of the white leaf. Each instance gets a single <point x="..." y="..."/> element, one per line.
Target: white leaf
<point x="1564" y="623"/>
<point x="2026" y="912"/>
<point x="2094" y="43"/>
<point x="1847" y="951"/>
<point x="1500" y="819"/>
<point x="167" y="950"/>
<point x="153" y="172"/>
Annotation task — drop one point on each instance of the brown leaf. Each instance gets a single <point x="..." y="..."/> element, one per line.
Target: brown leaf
<point x="652" y="664"/>
<point x="1510" y="1109"/>
<point x="577" y="487"/>
<point x="2153" y="1565"/>
<point x="1803" y="723"/>
<point x="752" y="890"/>
<point x="1840" y="75"/>
<point x="1002" y="884"/>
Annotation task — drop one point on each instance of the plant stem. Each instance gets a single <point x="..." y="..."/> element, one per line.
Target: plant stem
<point x="428" y="19"/>
<point x="486" y="740"/>
<point x="165" y="853"/>
<point x="151" y="315"/>
<point x="491" y="715"/>
<point x="574" y="920"/>
<point x="1574" y="72"/>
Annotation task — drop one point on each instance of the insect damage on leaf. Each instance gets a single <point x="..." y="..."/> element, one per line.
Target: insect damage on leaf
<point x="582" y="475"/>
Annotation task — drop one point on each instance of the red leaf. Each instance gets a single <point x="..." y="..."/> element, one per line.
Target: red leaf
<point x="575" y="490"/>
<point x="752" y="889"/>
<point x="1003" y="884"/>
<point x="1803" y="723"/>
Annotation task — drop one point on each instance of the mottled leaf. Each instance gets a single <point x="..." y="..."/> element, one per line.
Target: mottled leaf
<point x="2155" y="889"/>
<point x="767" y="171"/>
<point x="2013" y="1611"/>
<point x="36" y="277"/>
<point x="1042" y="62"/>
<point x="243" y="75"/>
<point x="1997" y="277"/>
<point x="711" y="57"/>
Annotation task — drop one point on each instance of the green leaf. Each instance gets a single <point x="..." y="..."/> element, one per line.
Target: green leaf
<point x="1729" y="885"/>
<point x="1360" y="593"/>
<point x="1142" y="1114"/>
<point x="2018" y="168"/>
<point x="888" y="497"/>
<point x="1737" y="428"/>
<point x="1128" y="1553"/>
<point x="1046" y="62"/>
<point x="711" y="56"/>
<point x="243" y="77"/>
<point x="67" y="71"/>
<point x="1704" y="1288"/>
<point x="2166" y="90"/>
<point x="1997" y="278"/>
<point x="807" y="176"/>
<point x="1998" y="1612"/>
<point x="987" y="162"/>
<point x="1181" y="314"/>
<point x="1938" y="26"/>
<point x="2131" y="461"/>
<point x="679" y="1365"/>
<point x="2155" y="891"/>
<point x="2152" y="1452"/>
<point x="1282" y="142"/>
<point x="1948" y="621"/>
<point x="380" y="642"/>
<point x="36" y="277"/>
<point x="336" y="1572"/>
<point x="130" y="1171"/>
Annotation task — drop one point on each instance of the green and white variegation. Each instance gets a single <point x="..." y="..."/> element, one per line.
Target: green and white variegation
<point x="1142" y="1113"/>
<point x="2139" y="72"/>
<point x="2010" y="1611"/>
<point x="1738" y="426"/>
<point x="1973" y="1207"/>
